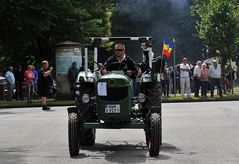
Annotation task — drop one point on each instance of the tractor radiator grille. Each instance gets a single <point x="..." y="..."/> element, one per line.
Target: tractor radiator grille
<point x="114" y="94"/>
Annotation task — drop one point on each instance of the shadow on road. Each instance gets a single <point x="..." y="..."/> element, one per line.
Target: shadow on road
<point x="127" y="153"/>
<point x="12" y="155"/>
<point x="119" y="153"/>
<point x="165" y="147"/>
<point x="51" y="110"/>
<point x="7" y="113"/>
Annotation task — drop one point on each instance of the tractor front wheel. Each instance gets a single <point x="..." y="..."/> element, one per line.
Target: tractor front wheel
<point x="154" y="135"/>
<point x="73" y="134"/>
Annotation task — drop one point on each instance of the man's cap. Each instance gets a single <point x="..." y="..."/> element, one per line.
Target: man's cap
<point x="44" y="62"/>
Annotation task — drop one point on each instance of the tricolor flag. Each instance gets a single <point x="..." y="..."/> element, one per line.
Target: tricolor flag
<point x="167" y="48"/>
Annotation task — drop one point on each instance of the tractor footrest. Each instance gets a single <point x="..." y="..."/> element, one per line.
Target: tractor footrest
<point x="118" y="126"/>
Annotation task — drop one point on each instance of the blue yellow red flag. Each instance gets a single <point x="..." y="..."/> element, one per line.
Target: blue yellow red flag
<point x="167" y="48"/>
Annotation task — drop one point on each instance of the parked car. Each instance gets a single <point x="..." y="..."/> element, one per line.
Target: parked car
<point x="3" y="80"/>
<point x="3" y="87"/>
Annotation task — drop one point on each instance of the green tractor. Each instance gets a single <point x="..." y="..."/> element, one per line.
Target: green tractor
<point x="106" y="101"/>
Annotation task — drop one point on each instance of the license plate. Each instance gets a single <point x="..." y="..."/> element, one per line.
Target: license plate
<point x="112" y="108"/>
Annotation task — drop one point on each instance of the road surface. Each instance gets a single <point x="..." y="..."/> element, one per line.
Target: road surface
<point x="193" y="133"/>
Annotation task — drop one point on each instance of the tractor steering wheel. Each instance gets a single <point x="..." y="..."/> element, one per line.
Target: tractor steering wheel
<point x="117" y="66"/>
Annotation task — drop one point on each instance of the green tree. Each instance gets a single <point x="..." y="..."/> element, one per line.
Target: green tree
<point x="28" y="28"/>
<point x="218" y="26"/>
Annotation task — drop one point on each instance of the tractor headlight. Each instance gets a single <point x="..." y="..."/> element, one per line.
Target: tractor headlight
<point x="85" y="98"/>
<point x="141" y="98"/>
<point x="81" y="79"/>
<point x="77" y="92"/>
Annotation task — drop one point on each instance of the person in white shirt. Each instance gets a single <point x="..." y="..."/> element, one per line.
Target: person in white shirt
<point x="145" y="48"/>
<point x="215" y="77"/>
<point x="184" y="78"/>
<point x="196" y="77"/>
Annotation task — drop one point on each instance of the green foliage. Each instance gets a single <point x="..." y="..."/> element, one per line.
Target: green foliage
<point x="29" y="28"/>
<point x="218" y="25"/>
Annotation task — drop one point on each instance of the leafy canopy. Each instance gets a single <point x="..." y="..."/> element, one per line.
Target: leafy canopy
<point x="29" y="28"/>
<point x="218" y="26"/>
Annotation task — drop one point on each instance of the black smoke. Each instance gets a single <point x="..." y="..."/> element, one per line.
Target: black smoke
<point x="161" y="19"/>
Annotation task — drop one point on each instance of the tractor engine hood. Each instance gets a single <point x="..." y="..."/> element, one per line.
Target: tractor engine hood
<point x="114" y="80"/>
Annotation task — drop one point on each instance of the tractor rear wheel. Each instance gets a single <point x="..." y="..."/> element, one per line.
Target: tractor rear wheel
<point x="154" y="136"/>
<point x="87" y="137"/>
<point x="153" y="95"/>
<point x="153" y="98"/>
<point x="73" y="134"/>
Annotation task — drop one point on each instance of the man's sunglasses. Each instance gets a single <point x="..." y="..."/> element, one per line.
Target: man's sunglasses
<point x="118" y="49"/>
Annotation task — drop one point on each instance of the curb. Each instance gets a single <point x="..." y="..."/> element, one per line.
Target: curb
<point x="55" y="104"/>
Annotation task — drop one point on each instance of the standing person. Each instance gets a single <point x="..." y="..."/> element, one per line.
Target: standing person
<point x="10" y="83"/>
<point x="19" y="77"/>
<point x="184" y="78"/>
<point x="230" y="76"/>
<point x="145" y="51"/>
<point x="44" y="82"/>
<point x="178" y="79"/>
<point x="176" y="70"/>
<point x="35" y="72"/>
<point x="172" y="79"/>
<point x="145" y="48"/>
<point x="204" y="79"/>
<point x="196" y="77"/>
<point x="28" y="78"/>
<point x="72" y="75"/>
<point x="215" y="76"/>
<point x="165" y="80"/>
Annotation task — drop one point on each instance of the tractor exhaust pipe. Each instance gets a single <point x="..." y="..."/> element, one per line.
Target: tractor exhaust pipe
<point x="86" y="62"/>
<point x="95" y="58"/>
<point x="150" y="56"/>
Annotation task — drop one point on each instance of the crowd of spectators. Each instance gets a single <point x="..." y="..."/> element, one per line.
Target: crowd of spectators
<point x="201" y="78"/>
<point x="28" y="82"/>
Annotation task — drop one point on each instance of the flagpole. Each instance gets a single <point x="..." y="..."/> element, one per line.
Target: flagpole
<point x="163" y="48"/>
<point x="162" y="58"/>
<point x="174" y="65"/>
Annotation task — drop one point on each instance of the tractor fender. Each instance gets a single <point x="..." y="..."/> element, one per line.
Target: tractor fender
<point x="155" y="109"/>
<point x="146" y="78"/>
<point x="72" y="110"/>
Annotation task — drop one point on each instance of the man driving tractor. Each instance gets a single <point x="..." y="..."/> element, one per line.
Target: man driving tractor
<point x="120" y="61"/>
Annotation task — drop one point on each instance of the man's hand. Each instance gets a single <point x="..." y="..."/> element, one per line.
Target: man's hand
<point x="103" y="71"/>
<point x="185" y="69"/>
<point x="129" y="72"/>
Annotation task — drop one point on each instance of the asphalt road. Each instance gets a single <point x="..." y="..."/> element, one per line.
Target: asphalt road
<point x="193" y="133"/>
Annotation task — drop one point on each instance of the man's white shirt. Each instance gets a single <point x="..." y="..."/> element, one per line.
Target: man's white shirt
<point x="184" y="74"/>
<point x="197" y="71"/>
<point x="215" y="72"/>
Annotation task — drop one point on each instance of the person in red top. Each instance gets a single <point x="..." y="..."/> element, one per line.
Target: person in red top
<point x="204" y="79"/>
<point x="28" y="78"/>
